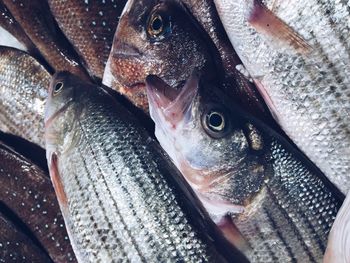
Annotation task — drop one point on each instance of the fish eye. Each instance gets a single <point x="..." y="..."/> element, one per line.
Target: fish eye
<point x="158" y="25"/>
<point x="215" y="123"/>
<point x="57" y="88"/>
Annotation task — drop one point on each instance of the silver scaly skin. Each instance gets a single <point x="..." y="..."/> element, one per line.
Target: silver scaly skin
<point x="23" y="91"/>
<point x="121" y="198"/>
<point x="297" y="52"/>
<point x="240" y="167"/>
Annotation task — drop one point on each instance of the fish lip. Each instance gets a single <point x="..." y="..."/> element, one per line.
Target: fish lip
<point x="49" y="120"/>
<point x="125" y="50"/>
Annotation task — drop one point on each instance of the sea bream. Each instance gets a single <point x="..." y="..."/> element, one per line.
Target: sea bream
<point x="90" y="27"/>
<point x="28" y="193"/>
<point x="170" y="39"/>
<point x="279" y="201"/>
<point x="121" y="198"/>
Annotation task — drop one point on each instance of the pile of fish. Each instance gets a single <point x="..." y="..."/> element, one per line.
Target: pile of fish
<point x="174" y="131"/>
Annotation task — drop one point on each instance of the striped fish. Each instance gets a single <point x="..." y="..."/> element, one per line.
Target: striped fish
<point x="122" y="200"/>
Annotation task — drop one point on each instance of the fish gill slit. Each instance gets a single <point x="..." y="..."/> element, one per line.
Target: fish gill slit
<point x="290" y="221"/>
<point x="115" y="205"/>
<point x="100" y="203"/>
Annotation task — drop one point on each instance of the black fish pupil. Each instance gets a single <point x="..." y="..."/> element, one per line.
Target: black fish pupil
<point x="215" y="120"/>
<point x="157" y="24"/>
<point x="58" y="86"/>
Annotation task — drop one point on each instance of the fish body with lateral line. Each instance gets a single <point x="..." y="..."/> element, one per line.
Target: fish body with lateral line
<point x="281" y="204"/>
<point x="23" y="87"/>
<point x="121" y="198"/>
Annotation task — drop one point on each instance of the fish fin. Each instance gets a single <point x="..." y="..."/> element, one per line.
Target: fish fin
<point x="57" y="183"/>
<point x="266" y="22"/>
<point x="232" y="234"/>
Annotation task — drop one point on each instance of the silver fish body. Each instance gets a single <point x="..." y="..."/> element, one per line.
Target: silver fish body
<point x="240" y="167"/>
<point x="121" y="199"/>
<point x="23" y="91"/>
<point x="300" y="61"/>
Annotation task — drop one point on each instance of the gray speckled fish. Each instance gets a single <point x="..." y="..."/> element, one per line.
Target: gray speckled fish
<point x="121" y="198"/>
<point x="239" y="166"/>
<point x="15" y="246"/>
<point x="27" y="191"/>
<point x="38" y="23"/>
<point x="23" y="91"/>
<point x="90" y="27"/>
<point x="298" y="55"/>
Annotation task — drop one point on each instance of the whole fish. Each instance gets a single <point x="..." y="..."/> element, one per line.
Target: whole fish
<point x="23" y="88"/>
<point x="15" y="246"/>
<point x="239" y="166"/>
<point x="90" y="27"/>
<point x="39" y="25"/>
<point x="151" y="38"/>
<point x="121" y="198"/>
<point x="27" y="191"/>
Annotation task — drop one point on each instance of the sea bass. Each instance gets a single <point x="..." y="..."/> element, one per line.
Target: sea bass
<point x="121" y="198"/>
<point x="298" y="55"/>
<point x="27" y="191"/>
<point x="90" y="27"/>
<point x="39" y="25"/>
<point x="239" y="166"/>
<point x="23" y="91"/>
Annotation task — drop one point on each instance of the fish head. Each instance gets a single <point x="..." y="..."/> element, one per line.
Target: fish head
<point x="159" y="38"/>
<point x="61" y="112"/>
<point x="217" y="149"/>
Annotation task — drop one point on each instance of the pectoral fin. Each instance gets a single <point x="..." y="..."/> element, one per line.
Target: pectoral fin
<point x="266" y="22"/>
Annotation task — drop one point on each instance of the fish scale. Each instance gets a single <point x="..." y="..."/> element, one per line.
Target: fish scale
<point x="307" y="92"/>
<point x="23" y="88"/>
<point x="90" y="26"/>
<point x="122" y="204"/>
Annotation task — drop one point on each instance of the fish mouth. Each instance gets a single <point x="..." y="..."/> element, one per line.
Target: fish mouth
<point x="172" y="105"/>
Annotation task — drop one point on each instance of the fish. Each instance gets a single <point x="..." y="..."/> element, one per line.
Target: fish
<point x="40" y="26"/>
<point x="280" y="202"/>
<point x="298" y="56"/>
<point x="19" y="38"/>
<point x="27" y="191"/>
<point x="15" y="246"/>
<point x="90" y="27"/>
<point x="154" y="36"/>
<point x="151" y="38"/>
<point x="23" y="86"/>
<point x="121" y="198"/>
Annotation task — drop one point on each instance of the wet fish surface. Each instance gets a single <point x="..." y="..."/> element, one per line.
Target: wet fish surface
<point x="122" y="200"/>
<point x="23" y="88"/>
<point x="39" y="25"/>
<point x="27" y="191"/>
<point x="301" y="67"/>
<point x="238" y="166"/>
<point x="90" y="27"/>
<point x="8" y="22"/>
<point x="151" y="38"/>
<point x="15" y="246"/>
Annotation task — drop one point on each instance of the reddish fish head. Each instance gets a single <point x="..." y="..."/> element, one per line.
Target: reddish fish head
<point x="159" y="38"/>
<point x="217" y="149"/>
